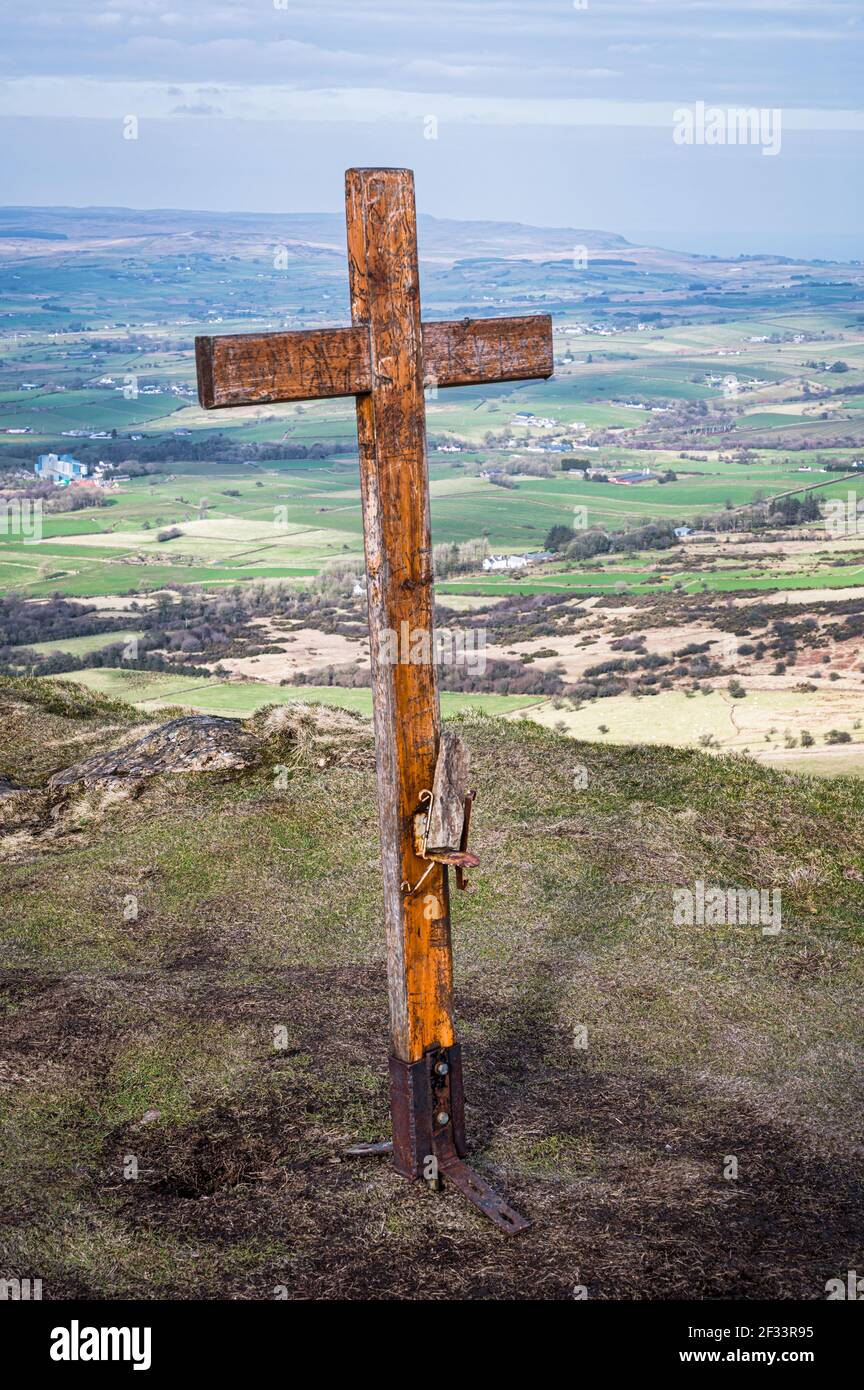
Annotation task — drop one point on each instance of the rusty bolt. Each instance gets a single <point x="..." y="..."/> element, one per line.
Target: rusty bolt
<point x="442" y="1068"/>
<point x="442" y="1118"/>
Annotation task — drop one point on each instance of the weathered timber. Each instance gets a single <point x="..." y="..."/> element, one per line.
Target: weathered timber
<point x="385" y="298"/>
<point x="261" y="368"/>
<point x="465" y="352"/>
<point x="384" y="360"/>
<point x="449" y="789"/>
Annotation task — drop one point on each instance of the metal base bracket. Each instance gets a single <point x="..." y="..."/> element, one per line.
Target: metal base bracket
<point x="427" y="1106"/>
<point x="478" y="1191"/>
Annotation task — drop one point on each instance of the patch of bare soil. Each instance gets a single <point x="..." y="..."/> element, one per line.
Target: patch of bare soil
<point x="650" y="1216"/>
<point x="574" y="654"/>
<point x="798" y="597"/>
<point x="302" y="649"/>
<point x="621" y="1174"/>
<point x="115" y="603"/>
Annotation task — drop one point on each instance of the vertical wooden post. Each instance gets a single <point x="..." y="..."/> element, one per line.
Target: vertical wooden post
<point x="380" y="360"/>
<point x="385" y="298"/>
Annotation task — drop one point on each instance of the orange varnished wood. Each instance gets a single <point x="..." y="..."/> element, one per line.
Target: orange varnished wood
<point x="384" y="359"/>
<point x="261" y="368"/>
<point x="466" y="352"/>
<point x="385" y="298"/>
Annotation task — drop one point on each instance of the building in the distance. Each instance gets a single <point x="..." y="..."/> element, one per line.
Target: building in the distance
<point x="516" y="562"/>
<point x="61" y="469"/>
<point x="631" y="479"/>
<point x="504" y="562"/>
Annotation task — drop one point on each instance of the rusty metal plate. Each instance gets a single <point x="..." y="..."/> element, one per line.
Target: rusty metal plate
<point x="478" y="1191"/>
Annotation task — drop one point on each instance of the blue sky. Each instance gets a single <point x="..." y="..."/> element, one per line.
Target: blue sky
<point x="545" y="111"/>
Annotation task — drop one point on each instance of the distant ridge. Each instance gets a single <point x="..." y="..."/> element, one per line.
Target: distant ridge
<point x="438" y="236"/>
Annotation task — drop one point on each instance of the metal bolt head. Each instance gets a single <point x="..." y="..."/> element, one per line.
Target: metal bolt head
<point x="442" y="1068"/>
<point x="442" y="1118"/>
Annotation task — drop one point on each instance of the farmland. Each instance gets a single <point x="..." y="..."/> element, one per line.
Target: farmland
<point x="725" y="386"/>
<point x="758" y="726"/>
<point x="287" y="523"/>
<point x="153" y="692"/>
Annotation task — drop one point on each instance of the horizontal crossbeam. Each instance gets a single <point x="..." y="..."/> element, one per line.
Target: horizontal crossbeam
<point x="257" y="368"/>
<point x="466" y="352"/>
<point x="261" y="368"/>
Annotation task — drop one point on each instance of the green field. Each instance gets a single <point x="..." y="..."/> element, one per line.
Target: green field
<point x="148" y="690"/>
<point x="744" y="380"/>
<point x="645" y="347"/>
<point x="286" y="525"/>
<point x="80" y="646"/>
<point x="646" y="581"/>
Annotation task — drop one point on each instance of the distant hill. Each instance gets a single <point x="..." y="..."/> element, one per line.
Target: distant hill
<point x="30" y="233"/>
<point x="437" y="236"/>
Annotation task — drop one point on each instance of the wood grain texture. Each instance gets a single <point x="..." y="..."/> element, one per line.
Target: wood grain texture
<point x="463" y="352"/>
<point x="384" y="359"/>
<point x="449" y="789"/>
<point x="260" y="368"/>
<point x="385" y="299"/>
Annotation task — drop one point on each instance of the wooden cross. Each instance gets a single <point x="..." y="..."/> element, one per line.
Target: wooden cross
<point x="385" y="359"/>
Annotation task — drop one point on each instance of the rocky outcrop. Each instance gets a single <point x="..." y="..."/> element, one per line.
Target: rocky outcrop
<point x="194" y="743"/>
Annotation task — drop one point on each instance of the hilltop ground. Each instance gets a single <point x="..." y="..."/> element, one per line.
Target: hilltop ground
<point x="156" y="932"/>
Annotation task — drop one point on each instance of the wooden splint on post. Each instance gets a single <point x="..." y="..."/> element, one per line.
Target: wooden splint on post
<point x="441" y="830"/>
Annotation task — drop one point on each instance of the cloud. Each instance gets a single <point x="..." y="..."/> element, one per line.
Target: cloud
<point x="199" y="109"/>
<point x="778" y="52"/>
<point x="107" y="100"/>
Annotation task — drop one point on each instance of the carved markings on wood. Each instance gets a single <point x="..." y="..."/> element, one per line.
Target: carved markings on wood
<point x="384" y="359"/>
<point x="262" y="368"/>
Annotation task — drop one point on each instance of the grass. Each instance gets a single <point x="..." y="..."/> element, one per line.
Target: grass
<point x="150" y="691"/>
<point x="80" y="646"/>
<point x="287" y="522"/>
<point x="230" y="1035"/>
<point x="612" y="580"/>
<point x="756" y="725"/>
